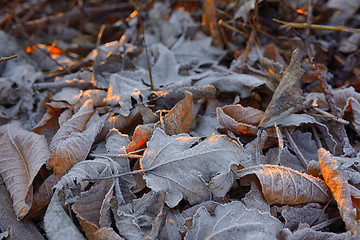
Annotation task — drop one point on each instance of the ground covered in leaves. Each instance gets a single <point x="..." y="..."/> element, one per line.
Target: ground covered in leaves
<point x="180" y="119"/>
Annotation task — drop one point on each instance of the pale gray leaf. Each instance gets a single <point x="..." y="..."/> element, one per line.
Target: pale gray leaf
<point x="233" y="221"/>
<point x="183" y="165"/>
<point x="142" y="218"/>
<point x="57" y="224"/>
<point x="239" y="83"/>
<point x="121" y="90"/>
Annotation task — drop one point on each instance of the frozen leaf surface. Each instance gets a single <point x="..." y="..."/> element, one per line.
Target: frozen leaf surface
<point x="339" y="187"/>
<point x="180" y="118"/>
<point x="287" y="95"/>
<point x="21" y="157"/>
<point x="57" y="224"/>
<point x="74" y="148"/>
<point x="184" y="165"/>
<point x="142" y="218"/>
<point x="282" y="185"/>
<point x="93" y="207"/>
<point x="240" y="119"/>
<point x="233" y="221"/>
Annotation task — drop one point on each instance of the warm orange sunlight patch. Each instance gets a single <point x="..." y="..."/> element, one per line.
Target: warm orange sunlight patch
<point x="301" y="11"/>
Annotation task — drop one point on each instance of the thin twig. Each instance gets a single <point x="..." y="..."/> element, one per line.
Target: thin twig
<point x="76" y="14"/>
<point x="316" y="26"/>
<point x="3" y="59"/>
<point x="326" y="223"/>
<point x="339" y="127"/>
<point x="296" y="149"/>
<point x="146" y="51"/>
<point x="328" y="115"/>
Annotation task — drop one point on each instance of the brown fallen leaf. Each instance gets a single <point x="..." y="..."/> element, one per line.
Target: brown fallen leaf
<point x="93" y="207"/>
<point x="180" y="118"/>
<point x="287" y="96"/>
<point x="140" y="137"/>
<point x="75" y="124"/>
<point x="239" y="119"/>
<point x="72" y="143"/>
<point x="21" y="157"/>
<point x="339" y="188"/>
<point x="49" y="124"/>
<point x="43" y="195"/>
<point x="285" y="186"/>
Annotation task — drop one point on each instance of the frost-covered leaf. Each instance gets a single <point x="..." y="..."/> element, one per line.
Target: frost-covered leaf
<point x="173" y="226"/>
<point x="239" y="83"/>
<point x="308" y="233"/>
<point x="308" y="214"/>
<point x="240" y="119"/>
<point x="69" y="95"/>
<point x="281" y="185"/>
<point x="140" y="137"/>
<point x="142" y="218"/>
<point x="180" y="118"/>
<point x="121" y="91"/>
<point x="49" y="123"/>
<point x="339" y="188"/>
<point x="233" y="221"/>
<point x="57" y="224"/>
<point x="75" y="124"/>
<point x="22" y="155"/>
<point x="93" y="207"/>
<point x="75" y="147"/>
<point x="197" y="52"/>
<point x="165" y="71"/>
<point x="184" y="165"/>
<point x="287" y="95"/>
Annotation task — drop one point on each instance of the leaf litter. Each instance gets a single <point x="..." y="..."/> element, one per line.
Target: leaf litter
<point x="250" y="131"/>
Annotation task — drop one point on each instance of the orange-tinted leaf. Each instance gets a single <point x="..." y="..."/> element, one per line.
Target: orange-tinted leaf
<point x="72" y="143"/>
<point x="140" y="138"/>
<point x="282" y="185"/>
<point x="96" y="95"/>
<point x="75" y="124"/>
<point x="21" y="157"/>
<point x="180" y="118"/>
<point x="43" y="195"/>
<point x="240" y="119"/>
<point x="93" y="207"/>
<point x="339" y="188"/>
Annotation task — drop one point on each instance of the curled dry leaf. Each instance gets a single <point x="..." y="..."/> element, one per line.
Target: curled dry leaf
<point x="142" y="218"/>
<point x="75" y="124"/>
<point x="240" y="119"/>
<point x="93" y="207"/>
<point x="72" y="143"/>
<point x="287" y="95"/>
<point x="183" y="165"/>
<point x="282" y="185"/>
<point x="181" y="117"/>
<point x="140" y="137"/>
<point x="21" y="157"/>
<point x="339" y="188"/>
<point x="233" y="221"/>
<point x="43" y="195"/>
